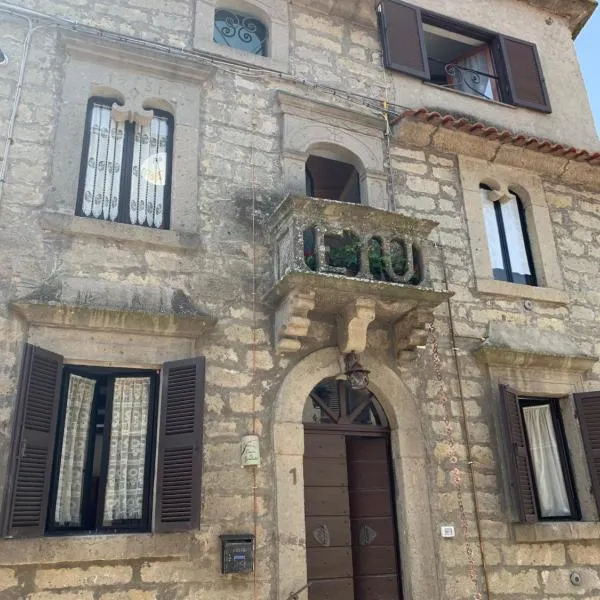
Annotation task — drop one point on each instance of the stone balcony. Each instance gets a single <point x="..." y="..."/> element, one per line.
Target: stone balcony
<point x="356" y="263"/>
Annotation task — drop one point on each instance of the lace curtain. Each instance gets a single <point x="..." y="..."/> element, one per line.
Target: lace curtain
<point x="80" y="397"/>
<point x="547" y="467"/>
<point x="124" y="497"/>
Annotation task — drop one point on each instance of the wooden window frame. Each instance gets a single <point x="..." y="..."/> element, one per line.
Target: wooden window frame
<point x="109" y="375"/>
<point x="126" y="165"/>
<point x="563" y="449"/>
<point x="500" y="55"/>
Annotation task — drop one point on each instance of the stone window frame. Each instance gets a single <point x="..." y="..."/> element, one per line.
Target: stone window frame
<point x="99" y="69"/>
<point x="410" y="467"/>
<point x="335" y="132"/>
<point x="273" y="14"/>
<point x="530" y="189"/>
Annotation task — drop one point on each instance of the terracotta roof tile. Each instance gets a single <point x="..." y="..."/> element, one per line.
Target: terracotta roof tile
<point x="479" y="129"/>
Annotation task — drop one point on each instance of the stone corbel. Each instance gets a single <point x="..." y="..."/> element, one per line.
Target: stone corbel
<point x="292" y="322"/>
<point x="410" y="333"/>
<point x="120" y="114"/>
<point x="353" y="324"/>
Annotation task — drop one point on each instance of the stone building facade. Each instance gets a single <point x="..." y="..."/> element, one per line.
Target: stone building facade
<point x="440" y="116"/>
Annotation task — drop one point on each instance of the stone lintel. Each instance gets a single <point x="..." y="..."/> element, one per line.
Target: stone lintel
<point x="353" y="323"/>
<point x="102" y="318"/>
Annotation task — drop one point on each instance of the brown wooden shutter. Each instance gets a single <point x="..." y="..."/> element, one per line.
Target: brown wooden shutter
<point x="403" y="39"/>
<point x="527" y="86"/>
<point x="588" y="412"/>
<point x="522" y="474"/>
<point x="30" y="466"/>
<point x="179" y="474"/>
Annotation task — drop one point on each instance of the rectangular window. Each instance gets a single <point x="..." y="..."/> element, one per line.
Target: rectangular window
<point x="85" y="442"/>
<point x="126" y="167"/>
<point x="456" y="55"/>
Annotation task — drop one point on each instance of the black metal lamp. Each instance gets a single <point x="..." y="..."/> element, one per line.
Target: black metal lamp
<point x="357" y="375"/>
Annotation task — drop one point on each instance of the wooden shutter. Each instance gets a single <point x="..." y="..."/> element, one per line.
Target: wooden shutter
<point x="588" y="412"/>
<point x="522" y="474"/>
<point x="30" y="465"/>
<point x="527" y="86"/>
<point x="179" y="474"/>
<point x="403" y="39"/>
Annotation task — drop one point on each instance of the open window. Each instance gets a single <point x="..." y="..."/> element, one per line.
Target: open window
<point x="507" y="237"/>
<point x="85" y="443"/>
<point x="332" y="180"/>
<point x="456" y="55"/>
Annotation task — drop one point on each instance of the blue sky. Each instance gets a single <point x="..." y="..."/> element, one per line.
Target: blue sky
<point x="588" y="48"/>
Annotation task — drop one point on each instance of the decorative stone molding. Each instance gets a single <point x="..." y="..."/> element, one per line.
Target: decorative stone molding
<point x="410" y="333"/>
<point x="353" y="323"/>
<point x="291" y="320"/>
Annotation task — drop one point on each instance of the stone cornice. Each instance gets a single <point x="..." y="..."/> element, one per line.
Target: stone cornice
<point x="576" y="12"/>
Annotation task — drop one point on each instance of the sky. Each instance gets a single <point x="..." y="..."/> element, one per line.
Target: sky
<point x="588" y="48"/>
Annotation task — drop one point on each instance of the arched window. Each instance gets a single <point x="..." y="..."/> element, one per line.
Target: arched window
<point x="332" y="180"/>
<point x="242" y="31"/>
<point x="508" y="241"/>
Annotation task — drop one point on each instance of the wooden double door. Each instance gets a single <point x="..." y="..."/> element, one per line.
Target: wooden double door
<point x="351" y="539"/>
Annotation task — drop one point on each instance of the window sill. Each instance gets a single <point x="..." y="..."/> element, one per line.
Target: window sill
<point x="566" y="531"/>
<point x="481" y="98"/>
<point x="525" y="292"/>
<point x="94" y="548"/>
<point x="134" y="234"/>
<point x="240" y="56"/>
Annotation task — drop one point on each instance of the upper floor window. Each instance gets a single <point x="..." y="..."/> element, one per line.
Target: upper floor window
<point x="507" y="238"/>
<point x="459" y="56"/>
<point x="126" y="167"/>
<point x="332" y="180"/>
<point x="242" y="31"/>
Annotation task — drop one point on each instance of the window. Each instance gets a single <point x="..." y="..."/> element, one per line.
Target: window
<point x="84" y="446"/>
<point x="456" y="55"/>
<point x="126" y="167"/>
<point x="332" y="180"/>
<point x="508" y="242"/>
<point x="241" y="31"/>
<point x="542" y="475"/>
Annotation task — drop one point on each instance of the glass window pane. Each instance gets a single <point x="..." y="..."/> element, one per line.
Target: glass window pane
<point x="103" y="171"/>
<point x="514" y="238"/>
<point x="149" y="173"/>
<point x="80" y="397"/>
<point x="547" y="466"/>
<point x="240" y="31"/>
<point x="124" y="499"/>
<point x="493" y="233"/>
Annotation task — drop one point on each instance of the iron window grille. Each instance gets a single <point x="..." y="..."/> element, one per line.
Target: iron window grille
<point x="126" y="167"/>
<point x="241" y="31"/>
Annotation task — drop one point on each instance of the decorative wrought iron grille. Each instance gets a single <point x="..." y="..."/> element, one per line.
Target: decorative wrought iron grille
<point x="240" y="31"/>
<point x="470" y="81"/>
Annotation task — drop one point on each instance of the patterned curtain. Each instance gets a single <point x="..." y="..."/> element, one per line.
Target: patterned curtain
<point x="74" y="450"/>
<point x="103" y="173"/>
<point x="149" y="173"/>
<point x="125" y="479"/>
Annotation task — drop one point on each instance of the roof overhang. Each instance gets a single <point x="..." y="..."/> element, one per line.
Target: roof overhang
<point x="575" y="12"/>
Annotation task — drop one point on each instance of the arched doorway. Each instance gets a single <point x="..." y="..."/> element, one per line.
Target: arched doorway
<point x="351" y="531"/>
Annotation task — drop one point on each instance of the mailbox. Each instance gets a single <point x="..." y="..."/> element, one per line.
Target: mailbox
<point x="237" y="553"/>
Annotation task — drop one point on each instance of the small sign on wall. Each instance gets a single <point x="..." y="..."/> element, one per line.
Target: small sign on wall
<point x="250" y="451"/>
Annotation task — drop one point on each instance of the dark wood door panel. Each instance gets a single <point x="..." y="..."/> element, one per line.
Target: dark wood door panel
<point x="329" y="563"/>
<point x="326" y="501"/>
<point x="369" y="475"/>
<point x="386" y="587"/>
<point x="372" y="448"/>
<point x="331" y="589"/>
<point x="337" y="530"/>
<point x="376" y="503"/>
<point x="374" y="560"/>
<point x="330" y="472"/>
<point x="373" y="531"/>
<point x="324" y="445"/>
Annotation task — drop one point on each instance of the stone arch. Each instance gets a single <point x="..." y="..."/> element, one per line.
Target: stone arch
<point x="410" y="469"/>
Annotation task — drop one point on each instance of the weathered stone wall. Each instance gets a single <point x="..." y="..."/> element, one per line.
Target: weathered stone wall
<point x="228" y="166"/>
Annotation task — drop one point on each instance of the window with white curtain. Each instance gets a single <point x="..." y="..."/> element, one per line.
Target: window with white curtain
<point x="126" y="167"/>
<point x="549" y="459"/>
<point x="104" y="454"/>
<point x="508" y="241"/>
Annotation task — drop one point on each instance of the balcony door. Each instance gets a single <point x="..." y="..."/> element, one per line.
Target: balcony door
<point x="351" y="535"/>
